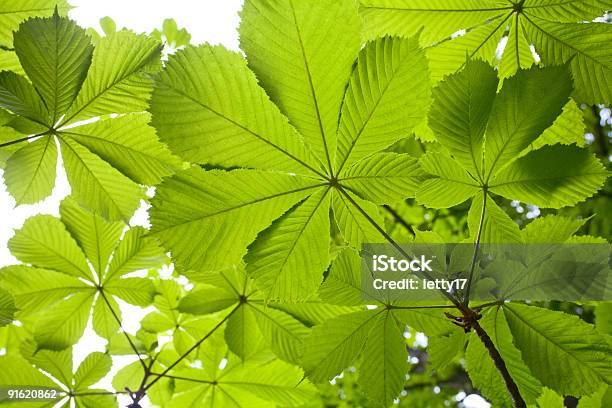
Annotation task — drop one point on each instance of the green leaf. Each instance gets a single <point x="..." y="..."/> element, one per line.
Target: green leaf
<point x="195" y="206"/>
<point x="497" y="226"/>
<point x="56" y="363"/>
<point x="382" y="372"/>
<point x="129" y="376"/>
<point x="550" y="399"/>
<point x="387" y="96"/>
<point x="551" y="229"/>
<point x="543" y="177"/>
<point x="10" y="62"/>
<point x="288" y="259"/>
<point x="484" y="374"/>
<point x="108" y="25"/>
<point x="302" y="53"/>
<point x="335" y="344"/>
<point x="30" y="172"/>
<point x="568" y="128"/>
<point x="17" y="95"/>
<point x="277" y="382"/>
<point x="44" y="241"/>
<point x="119" y="77"/>
<point x="96" y="399"/>
<point x="36" y="289"/>
<point x="23" y="374"/>
<point x="428" y="321"/>
<point x="14" y="12"/>
<point x="585" y="45"/>
<point x="517" y="54"/>
<point x="478" y="43"/>
<point x="129" y="145"/>
<point x="63" y="324"/>
<point x="383" y="178"/>
<point x="563" y="352"/>
<point x="97" y="184"/>
<point x="207" y="301"/>
<point x="438" y="18"/>
<point x="443" y="350"/>
<point x="92" y="369"/>
<point x="528" y="103"/>
<point x="355" y="226"/>
<point x="103" y="321"/>
<point x="7" y="308"/>
<point x="134" y="252"/>
<point x="225" y="118"/>
<point x="603" y="318"/>
<point x="96" y="236"/>
<point x="342" y="285"/>
<point x="460" y="112"/>
<point x="66" y="90"/>
<point x="459" y="30"/>
<point x="136" y="291"/>
<point x="281" y="331"/>
<point x="56" y="54"/>
<point x="451" y="184"/>
<point x="242" y="334"/>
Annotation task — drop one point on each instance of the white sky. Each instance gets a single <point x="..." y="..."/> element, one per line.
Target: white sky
<point x="212" y="21"/>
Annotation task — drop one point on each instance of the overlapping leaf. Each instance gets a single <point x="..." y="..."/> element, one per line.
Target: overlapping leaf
<point x="71" y="81"/>
<point x="556" y="30"/>
<point x="376" y="336"/>
<point x="489" y="147"/>
<point x="52" y="370"/>
<point x="253" y="323"/>
<point x="70" y="272"/>
<point x="210" y="109"/>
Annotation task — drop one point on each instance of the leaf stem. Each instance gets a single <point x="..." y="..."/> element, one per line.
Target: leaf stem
<point x="126" y="334"/>
<point x="466" y="299"/>
<point x="195" y="346"/>
<point x="397" y="246"/>
<point x="24" y="139"/>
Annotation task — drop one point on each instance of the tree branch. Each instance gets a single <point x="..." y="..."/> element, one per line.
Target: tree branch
<point x="500" y="364"/>
<point x="469" y="316"/>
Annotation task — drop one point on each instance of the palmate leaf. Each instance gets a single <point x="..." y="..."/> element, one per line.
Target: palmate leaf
<point x="71" y="81"/>
<point x="252" y="325"/>
<point x="555" y="29"/>
<point x="371" y="339"/>
<point x="275" y="214"/>
<point x="72" y="273"/>
<point x="489" y="148"/>
<point x="74" y="385"/>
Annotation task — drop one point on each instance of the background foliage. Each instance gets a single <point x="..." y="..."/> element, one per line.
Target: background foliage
<point x="339" y="124"/>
